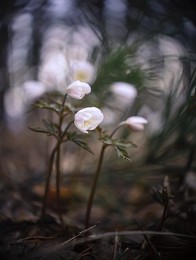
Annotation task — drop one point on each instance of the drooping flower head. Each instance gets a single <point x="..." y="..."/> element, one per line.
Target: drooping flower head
<point x="78" y="89"/>
<point x="136" y="123"/>
<point x="88" y="119"/>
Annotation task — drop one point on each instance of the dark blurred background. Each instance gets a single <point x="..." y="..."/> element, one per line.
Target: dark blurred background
<point x="23" y="24"/>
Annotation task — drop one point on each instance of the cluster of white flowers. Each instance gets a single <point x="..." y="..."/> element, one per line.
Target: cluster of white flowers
<point x="87" y="118"/>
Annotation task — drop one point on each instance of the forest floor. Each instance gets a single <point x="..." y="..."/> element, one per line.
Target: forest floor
<point x="138" y="213"/>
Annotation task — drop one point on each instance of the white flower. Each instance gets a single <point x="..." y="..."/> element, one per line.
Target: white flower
<point x="14" y="103"/>
<point x="88" y="119"/>
<point x="33" y="90"/>
<point x="136" y="123"/>
<point x="124" y="92"/>
<point x="78" y="89"/>
<point x="53" y="71"/>
<point x="76" y="52"/>
<point x="82" y="70"/>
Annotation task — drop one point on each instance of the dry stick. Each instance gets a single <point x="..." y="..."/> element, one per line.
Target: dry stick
<point x="32" y="239"/>
<point x="131" y="233"/>
<point x="61" y="246"/>
<point x="115" y="246"/>
<point x="80" y="234"/>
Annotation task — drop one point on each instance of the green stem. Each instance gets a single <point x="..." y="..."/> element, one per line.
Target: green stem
<point x="48" y="177"/>
<point x="114" y="131"/>
<point x="66" y="129"/>
<point x="58" y="154"/>
<point x="164" y="216"/>
<point x="95" y="180"/>
<point x="51" y="161"/>
<point x="93" y="188"/>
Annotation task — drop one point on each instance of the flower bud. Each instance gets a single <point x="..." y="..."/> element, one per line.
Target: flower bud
<point x="78" y="89"/>
<point x="136" y="123"/>
<point x="88" y="119"/>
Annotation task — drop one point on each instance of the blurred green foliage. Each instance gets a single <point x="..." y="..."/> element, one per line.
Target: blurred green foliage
<point x="116" y="66"/>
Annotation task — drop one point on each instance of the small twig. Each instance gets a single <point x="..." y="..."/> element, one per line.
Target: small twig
<point x="122" y="254"/>
<point x="132" y="233"/>
<point x="31" y="239"/>
<point x="86" y="251"/>
<point x="154" y="250"/>
<point x="115" y="246"/>
<point x="80" y="234"/>
<point x="59" y="247"/>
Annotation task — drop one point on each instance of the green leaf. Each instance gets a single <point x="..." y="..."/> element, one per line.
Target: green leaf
<point x="122" y="153"/>
<point x="122" y="144"/>
<point x="39" y="130"/>
<point x="50" y="126"/>
<point x="119" y="145"/>
<point x="75" y="139"/>
<point x="106" y="140"/>
<point x="46" y="105"/>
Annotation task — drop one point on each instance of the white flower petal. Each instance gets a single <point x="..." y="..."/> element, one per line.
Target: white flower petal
<point x="53" y="71"/>
<point x="82" y="70"/>
<point x="78" y="89"/>
<point x="136" y="120"/>
<point x="136" y="123"/>
<point x="88" y="119"/>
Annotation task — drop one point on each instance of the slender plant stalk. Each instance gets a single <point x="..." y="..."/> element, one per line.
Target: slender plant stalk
<point x="58" y="158"/>
<point x="95" y="180"/>
<point x="51" y="161"/>
<point x="114" y="131"/>
<point x="164" y="216"/>
<point x="93" y="188"/>
<point x="55" y="151"/>
<point x="58" y="154"/>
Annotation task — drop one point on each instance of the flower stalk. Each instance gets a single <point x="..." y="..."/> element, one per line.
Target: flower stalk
<point x="95" y="180"/>
<point x="94" y="185"/>
<point x="135" y="124"/>
<point x="47" y="184"/>
<point x="55" y="151"/>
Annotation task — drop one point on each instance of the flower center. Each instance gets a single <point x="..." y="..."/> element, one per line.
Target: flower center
<point x="80" y="75"/>
<point x="87" y="123"/>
